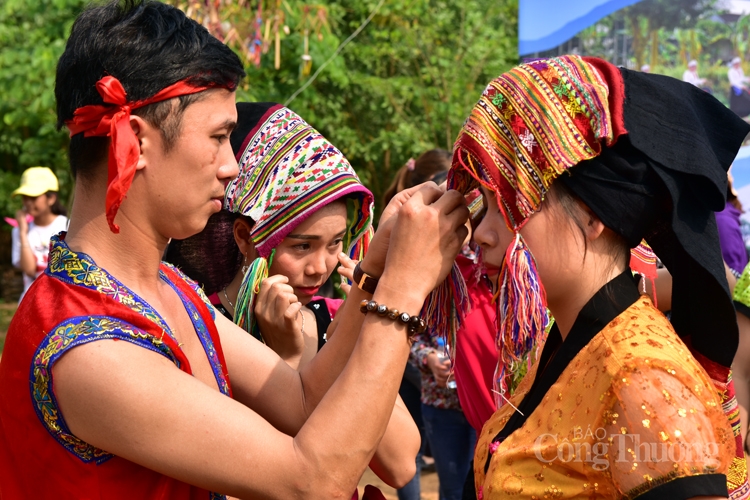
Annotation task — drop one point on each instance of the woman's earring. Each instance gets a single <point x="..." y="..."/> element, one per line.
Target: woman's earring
<point x="245" y="267"/>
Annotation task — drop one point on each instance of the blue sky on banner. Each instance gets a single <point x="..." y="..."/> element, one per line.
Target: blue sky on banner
<point x="545" y="24"/>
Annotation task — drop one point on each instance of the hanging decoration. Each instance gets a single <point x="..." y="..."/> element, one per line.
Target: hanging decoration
<point x="252" y="27"/>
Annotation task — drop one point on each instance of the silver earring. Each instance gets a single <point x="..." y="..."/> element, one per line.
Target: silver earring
<point x="245" y="267"/>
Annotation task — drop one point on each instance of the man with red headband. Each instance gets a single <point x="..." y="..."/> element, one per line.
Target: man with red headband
<point x="118" y="380"/>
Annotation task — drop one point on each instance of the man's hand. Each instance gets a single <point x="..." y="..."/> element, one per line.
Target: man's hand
<point x="428" y="233"/>
<point x="374" y="263"/>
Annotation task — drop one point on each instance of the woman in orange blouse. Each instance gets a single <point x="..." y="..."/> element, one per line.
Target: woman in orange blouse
<point x="578" y="161"/>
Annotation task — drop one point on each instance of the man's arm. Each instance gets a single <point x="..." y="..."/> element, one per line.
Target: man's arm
<point x="142" y="408"/>
<point x="393" y="460"/>
<point x="321" y="372"/>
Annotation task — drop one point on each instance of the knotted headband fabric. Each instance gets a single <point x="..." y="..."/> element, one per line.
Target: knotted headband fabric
<point x="112" y="120"/>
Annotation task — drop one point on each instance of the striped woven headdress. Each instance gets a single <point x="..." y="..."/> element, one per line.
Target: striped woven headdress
<point x="530" y="125"/>
<point x="288" y="171"/>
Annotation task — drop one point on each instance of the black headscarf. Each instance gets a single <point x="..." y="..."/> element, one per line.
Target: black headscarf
<point x="662" y="182"/>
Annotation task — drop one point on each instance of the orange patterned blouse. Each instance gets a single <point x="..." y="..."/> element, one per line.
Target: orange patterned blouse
<point x="627" y="411"/>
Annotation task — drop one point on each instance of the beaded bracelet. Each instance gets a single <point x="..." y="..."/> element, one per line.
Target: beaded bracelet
<point x="414" y="324"/>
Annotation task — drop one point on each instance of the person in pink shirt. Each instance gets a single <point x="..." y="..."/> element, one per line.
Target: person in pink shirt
<point x="476" y="354"/>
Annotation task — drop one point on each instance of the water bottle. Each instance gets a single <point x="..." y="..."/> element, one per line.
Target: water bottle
<point x="442" y="354"/>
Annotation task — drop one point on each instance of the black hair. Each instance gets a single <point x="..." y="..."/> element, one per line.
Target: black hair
<point x="57" y="207"/>
<point x="211" y="257"/>
<point x="572" y="206"/>
<point x="148" y="46"/>
<point x="427" y="167"/>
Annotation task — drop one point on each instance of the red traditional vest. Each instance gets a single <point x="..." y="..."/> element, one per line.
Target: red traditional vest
<point x="72" y="303"/>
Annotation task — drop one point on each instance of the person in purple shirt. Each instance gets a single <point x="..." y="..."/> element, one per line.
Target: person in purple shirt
<point x="730" y="235"/>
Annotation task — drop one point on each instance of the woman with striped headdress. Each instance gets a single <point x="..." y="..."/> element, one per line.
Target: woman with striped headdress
<point x="578" y="162"/>
<point x="281" y="234"/>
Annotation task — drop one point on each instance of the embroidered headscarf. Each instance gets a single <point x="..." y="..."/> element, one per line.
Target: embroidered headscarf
<point x="646" y="153"/>
<point x="112" y="119"/>
<point x="288" y="171"/>
<point x="530" y="125"/>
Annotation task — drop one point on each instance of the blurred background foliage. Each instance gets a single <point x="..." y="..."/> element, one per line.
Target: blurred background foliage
<point x="402" y="86"/>
<point x="32" y="37"/>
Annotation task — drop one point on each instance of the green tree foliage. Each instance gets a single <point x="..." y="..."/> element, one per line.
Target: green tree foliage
<point x="402" y="86"/>
<point x="32" y="37"/>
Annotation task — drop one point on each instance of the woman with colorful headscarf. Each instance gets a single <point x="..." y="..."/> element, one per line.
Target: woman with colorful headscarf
<point x="578" y="162"/>
<point x="282" y="231"/>
<point x="281" y="234"/>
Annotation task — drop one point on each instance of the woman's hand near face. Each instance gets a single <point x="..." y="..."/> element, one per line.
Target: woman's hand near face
<point x="346" y="270"/>
<point x="278" y="312"/>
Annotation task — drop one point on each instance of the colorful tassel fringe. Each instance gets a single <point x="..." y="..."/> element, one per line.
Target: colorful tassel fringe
<point x="360" y="244"/>
<point x="521" y="313"/>
<point x="447" y="306"/>
<point x="244" y="313"/>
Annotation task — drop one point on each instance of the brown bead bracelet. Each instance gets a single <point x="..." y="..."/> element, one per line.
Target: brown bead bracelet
<point x="414" y="324"/>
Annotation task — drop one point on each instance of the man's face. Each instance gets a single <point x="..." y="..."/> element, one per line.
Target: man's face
<point x="185" y="186"/>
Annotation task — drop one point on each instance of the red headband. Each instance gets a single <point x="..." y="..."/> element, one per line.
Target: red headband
<point x="113" y="120"/>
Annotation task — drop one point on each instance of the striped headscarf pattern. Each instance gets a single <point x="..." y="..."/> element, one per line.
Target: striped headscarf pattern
<point x="288" y="171"/>
<point x="530" y="125"/>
